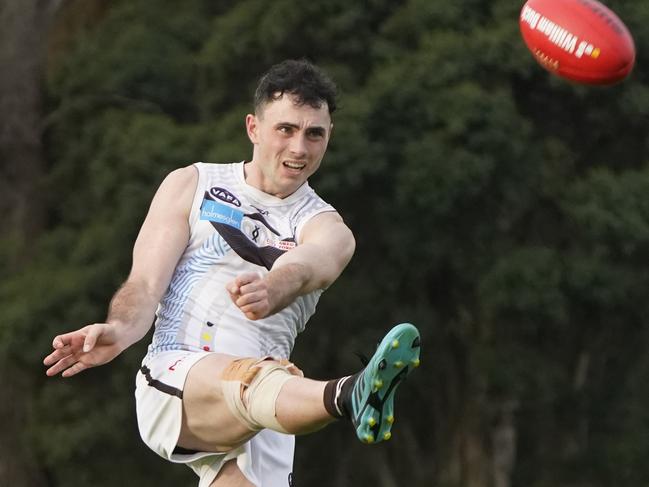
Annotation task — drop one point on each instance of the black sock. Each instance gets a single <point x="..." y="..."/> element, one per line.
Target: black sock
<point x="335" y="393"/>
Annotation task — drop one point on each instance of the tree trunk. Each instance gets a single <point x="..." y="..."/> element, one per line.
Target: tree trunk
<point x="24" y="26"/>
<point x="19" y="466"/>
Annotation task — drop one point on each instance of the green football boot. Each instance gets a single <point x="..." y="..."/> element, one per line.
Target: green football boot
<point x="370" y="401"/>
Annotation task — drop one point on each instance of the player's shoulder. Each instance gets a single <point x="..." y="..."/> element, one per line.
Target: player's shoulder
<point x="328" y="223"/>
<point x="179" y="182"/>
<point x="182" y="174"/>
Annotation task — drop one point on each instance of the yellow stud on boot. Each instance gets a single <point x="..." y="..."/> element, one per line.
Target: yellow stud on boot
<point x="378" y="383"/>
<point x="371" y="421"/>
<point x="390" y="419"/>
<point x="395" y="343"/>
<point x="387" y="435"/>
<point x="369" y="439"/>
<point x="398" y="364"/>
<point x="416" y="362"/>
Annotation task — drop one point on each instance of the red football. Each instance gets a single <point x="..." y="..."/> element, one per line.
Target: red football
<point x="581" y="40"/>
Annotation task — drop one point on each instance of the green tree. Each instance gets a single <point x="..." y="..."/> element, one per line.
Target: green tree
<point x="499" y="208"/>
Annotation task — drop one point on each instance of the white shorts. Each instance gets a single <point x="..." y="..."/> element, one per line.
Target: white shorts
<point x="266" y="460"/>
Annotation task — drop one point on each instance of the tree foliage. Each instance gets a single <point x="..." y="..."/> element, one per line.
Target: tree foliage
<point x="500" y="209"/>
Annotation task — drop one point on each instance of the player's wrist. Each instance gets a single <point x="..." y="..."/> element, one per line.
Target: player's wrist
<point x="125" y="334"/>
<point x="284" y="285"/>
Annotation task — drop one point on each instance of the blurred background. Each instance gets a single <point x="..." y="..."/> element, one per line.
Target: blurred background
<point x="502" y="210"/>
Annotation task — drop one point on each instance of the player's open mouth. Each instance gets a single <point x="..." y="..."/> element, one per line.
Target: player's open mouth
<point x="298" y="166"/>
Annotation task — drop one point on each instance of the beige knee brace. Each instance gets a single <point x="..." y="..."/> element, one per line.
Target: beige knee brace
<point x="250" y="388"/>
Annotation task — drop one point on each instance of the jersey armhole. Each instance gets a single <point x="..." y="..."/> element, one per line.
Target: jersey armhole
<point x="307" y="218"/>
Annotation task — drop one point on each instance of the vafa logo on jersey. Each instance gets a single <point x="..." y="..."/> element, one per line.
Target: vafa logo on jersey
<point x="225" y="195"/>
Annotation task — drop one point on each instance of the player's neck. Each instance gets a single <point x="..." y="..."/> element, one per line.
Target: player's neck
<point x="256" y="178"/>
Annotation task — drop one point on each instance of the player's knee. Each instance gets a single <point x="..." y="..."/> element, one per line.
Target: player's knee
<point x="251" y="387"/>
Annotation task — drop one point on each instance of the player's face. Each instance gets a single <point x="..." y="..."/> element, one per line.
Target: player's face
<point x="290" y="141"/>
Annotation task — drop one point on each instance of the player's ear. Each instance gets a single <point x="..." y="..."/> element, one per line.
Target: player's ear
<point x="252" y="127"/>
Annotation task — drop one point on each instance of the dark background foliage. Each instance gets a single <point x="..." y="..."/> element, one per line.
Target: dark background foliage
<point x="499" y="208"/>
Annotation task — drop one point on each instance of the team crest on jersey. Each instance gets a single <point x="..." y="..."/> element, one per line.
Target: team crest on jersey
<point x="225" y="195"/>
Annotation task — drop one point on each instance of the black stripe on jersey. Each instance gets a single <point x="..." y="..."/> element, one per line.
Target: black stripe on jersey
<point x="241" y="244"/>
<point x="247" y="250"/>
<point x="161" y="386"/>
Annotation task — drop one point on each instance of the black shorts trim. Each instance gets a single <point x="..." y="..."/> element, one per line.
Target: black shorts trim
<point x="179" y="450"/>
<point x="161" y="386"/>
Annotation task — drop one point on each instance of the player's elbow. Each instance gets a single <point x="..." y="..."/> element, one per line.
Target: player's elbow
<point x="347" y="250"/>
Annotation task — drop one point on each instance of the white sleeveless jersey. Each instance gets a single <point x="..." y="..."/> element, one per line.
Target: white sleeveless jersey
<point x="234" y="228"/>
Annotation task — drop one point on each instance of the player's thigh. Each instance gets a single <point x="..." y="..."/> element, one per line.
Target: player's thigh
<point x="231" y="476"/>
<point x="207" y="423"/>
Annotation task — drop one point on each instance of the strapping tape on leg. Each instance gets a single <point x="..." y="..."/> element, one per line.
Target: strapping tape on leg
<point x="250" y="388"/>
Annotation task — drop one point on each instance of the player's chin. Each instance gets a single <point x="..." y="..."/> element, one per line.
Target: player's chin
<point x="295" y="174"/>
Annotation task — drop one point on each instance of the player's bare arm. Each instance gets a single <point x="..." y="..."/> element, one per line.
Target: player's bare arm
<point x="325" y="248"/>
<point x="159" y="245"/>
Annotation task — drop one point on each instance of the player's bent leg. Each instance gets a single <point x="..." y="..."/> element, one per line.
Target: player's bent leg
<point x="274" y="395"/>
<point x="231" y="476"/>
<point x="227" y="400"/>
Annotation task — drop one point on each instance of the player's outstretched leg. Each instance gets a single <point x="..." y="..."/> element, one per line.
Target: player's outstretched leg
<point x="367" y="398"/>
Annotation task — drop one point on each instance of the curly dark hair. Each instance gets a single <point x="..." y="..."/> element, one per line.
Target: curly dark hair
<point x="300" y="78"/>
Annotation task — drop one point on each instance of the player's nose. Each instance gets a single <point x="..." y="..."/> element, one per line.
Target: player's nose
<point x="297" y="146"/>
